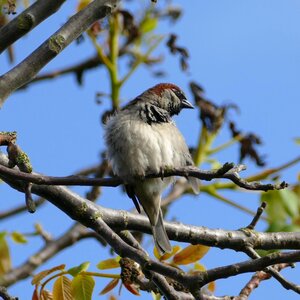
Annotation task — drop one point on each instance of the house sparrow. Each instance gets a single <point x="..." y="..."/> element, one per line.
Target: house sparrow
<point x="141" y="139"/>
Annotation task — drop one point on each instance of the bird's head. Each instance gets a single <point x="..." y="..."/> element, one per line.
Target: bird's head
<point x="167" y="96"/>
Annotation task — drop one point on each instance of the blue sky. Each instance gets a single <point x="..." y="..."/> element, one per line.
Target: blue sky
<point x="245" y="52"/>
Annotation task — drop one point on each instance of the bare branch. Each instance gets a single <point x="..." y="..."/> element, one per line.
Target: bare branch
<point x="4" y="294"/>
<point x="80" y="209"/>
<point x="248" y="266"/>
<point x="77" y="69"/>
<point x="102" y="221"/>
<point x="275" y="273"/>
<point x="19" y="209"/>
<point x="224" y="172"/>
<point x="30" y="66"/>
<point x="254" y="282"/>
<point x="27" y="20"/>
<point x="256" y="218"/>
<point x="22" y="208"/>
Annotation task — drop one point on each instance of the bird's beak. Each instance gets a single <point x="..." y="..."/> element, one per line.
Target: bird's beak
<point x="186" y="104"/>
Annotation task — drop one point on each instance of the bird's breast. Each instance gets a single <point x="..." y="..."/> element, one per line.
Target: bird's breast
<point x="136" y="148"/>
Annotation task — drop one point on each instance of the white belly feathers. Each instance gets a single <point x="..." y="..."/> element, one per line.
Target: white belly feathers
<point x="141" y="148"/>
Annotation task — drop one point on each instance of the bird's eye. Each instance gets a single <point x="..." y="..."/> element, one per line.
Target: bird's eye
<point x="179" y="94"/>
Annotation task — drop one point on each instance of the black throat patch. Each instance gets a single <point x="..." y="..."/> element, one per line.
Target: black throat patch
<point x="153" y="114"/>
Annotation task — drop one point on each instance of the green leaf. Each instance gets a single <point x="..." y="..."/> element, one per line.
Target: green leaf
<point x="155" y="296"/>
<point x="276" y="226"/>
<point x="110" y="263"/>
<point x="148" y="24"/>
<point x="82" y="287"/>
<point x="281" y="205"/>
<point x="76" y="270"/>
<point x="18" y="237"/>
<point x="5" y="260"/>
<point x="291" y="228"/>
<point x="275" y="208"/>
<point x="290" y="202"/>
<point x="297" y="141"/>
<point x="62" y="289"/>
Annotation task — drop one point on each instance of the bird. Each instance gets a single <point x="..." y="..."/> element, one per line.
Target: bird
<point x="141" y="139"/>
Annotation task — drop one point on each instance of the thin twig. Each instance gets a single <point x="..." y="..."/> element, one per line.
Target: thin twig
<point x="255" y="281"/>
<point x="284" y="282"/>
<point x="247" y="266"/>
<point x="19" y="209"/>
<point x="259" y="176"/>
<point x="257" y="216"/>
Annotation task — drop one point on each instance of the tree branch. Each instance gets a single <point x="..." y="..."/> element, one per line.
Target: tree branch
<point x="4" y="294"/>
<point x="102" y="221"/>
<point x="227" y="171"/>
<point x="81" y="210"/>
<point x="77" y="69"/>
<point x="254" y="282"/>
<point x="275" y="273"/>
<point x="19" y="209"/>
<point x="23" y="208"/>
<point x="247" y="266"/>
<point x="27" y="20"/>
<point x="30" y="66"/>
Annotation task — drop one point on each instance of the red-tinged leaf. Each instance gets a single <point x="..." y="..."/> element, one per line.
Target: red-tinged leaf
<point x="62" y="289"/>
<point x="110" y="263"/>
<point x="40" y="276"/>
<point x="110" y="286"/>
<point x="112" y="297"/>
<point x="5" y="260"/>
<point x="35" y="295"/>
<point x="166" y="256"/>
<point x="82" y="287"/>
<point x="190" y="254"/>
<point x="132" y="289"/>
<point x="76" y="270"/>
<point x="46" y="295"/>
<point x="211" y="286"/>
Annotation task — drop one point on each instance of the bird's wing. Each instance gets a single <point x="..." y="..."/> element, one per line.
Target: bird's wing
<point x="130" y="192"/>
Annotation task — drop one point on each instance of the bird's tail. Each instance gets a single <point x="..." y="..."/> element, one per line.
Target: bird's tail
<point x="160" y="236"/>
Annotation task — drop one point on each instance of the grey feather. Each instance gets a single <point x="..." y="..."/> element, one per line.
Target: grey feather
<point x="160" y="236"/>
<point x="141" y="139"/>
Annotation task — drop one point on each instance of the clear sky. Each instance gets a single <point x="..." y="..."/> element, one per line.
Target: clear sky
<point x="243" y="52"/>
